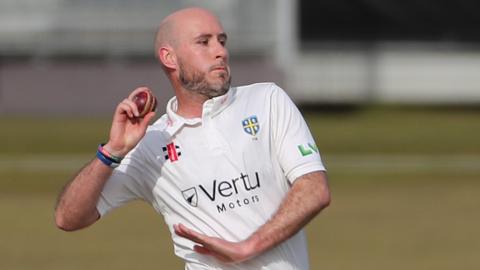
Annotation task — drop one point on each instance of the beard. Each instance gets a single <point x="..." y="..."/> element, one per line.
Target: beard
<point x="196" y="82"/>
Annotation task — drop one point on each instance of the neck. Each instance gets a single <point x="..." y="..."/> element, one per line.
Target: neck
<point x="190" y="105"/>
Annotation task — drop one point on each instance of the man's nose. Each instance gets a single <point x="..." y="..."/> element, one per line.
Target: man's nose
<point x="220" y="51"/>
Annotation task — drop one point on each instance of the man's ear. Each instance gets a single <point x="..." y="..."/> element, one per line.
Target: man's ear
<point x="167" y="57"/>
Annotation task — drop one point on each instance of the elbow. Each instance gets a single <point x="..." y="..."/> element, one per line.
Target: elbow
<point x="62" y="223"/>
<point x="326" y="200"/>
<point x="74" y="222"/>
<point x="323" y="201"/>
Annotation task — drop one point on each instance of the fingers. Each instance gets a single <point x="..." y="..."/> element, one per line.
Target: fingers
<point x="203" y="247"/>
<point x="183" y="231"/>
<point x="202" y="250"/>
<point x="227" y="252"/>
<point x="128" y="108"/>
<point x="131" y="98"/>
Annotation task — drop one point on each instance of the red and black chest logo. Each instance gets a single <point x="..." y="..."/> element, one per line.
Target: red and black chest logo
<point x="172" y="152"/>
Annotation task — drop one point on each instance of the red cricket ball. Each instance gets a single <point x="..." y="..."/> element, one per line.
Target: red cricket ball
<point x="146" y="102"/>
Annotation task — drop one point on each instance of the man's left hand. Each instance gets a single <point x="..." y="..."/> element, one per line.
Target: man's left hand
<point x="225" y="251"/>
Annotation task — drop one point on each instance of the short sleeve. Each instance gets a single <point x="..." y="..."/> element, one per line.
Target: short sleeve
<point x="129" y="181"/>
<point x="294" y="145"/>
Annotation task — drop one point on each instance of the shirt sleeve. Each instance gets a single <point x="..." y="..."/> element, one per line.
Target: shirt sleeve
<point x="294" y="144"/>
<point x="129" y="181"/>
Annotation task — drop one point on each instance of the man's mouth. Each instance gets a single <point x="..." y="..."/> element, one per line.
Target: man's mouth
<point x="219" y="68"/>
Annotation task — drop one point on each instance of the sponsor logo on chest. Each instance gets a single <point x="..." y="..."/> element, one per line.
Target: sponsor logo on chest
<point x="224" y="195"/>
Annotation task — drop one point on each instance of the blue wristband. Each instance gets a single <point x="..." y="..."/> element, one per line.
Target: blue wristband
<point x="108" y="155"/>
<point x="105" y="160"/>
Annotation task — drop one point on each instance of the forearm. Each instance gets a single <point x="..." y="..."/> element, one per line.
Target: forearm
<point x="308" y="196"/>
<point x="76" y="206"/>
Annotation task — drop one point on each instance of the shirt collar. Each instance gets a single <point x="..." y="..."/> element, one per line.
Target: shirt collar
<point x="211" y="108"/>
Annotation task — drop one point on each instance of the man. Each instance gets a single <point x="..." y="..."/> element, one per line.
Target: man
<point x="234" y="170"/>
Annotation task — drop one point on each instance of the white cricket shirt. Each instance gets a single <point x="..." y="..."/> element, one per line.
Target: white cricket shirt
<point x="224" y="174"/>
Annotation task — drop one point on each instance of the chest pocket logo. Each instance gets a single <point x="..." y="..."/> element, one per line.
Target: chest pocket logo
<point x="251" y="125"/>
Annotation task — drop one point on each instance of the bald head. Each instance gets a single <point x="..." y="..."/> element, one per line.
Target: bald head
<point x="190" y="45"/>
<point x="171" y="29"/>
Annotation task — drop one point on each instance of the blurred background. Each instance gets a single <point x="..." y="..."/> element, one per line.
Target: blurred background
<point x="390" y="90"/>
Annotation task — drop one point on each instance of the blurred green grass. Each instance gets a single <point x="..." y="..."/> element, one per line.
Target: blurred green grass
<point x="32" y="135"/>
<point x="404" y="183"/>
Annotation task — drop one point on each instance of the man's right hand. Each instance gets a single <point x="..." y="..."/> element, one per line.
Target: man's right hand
<point x="127" y="129"/>
<point x="76" y="206"/>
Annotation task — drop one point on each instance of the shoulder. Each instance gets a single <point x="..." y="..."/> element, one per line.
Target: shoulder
<point x="263" y="92"/>
<point x="257" y="88"/>
<point x="259" y="91"/>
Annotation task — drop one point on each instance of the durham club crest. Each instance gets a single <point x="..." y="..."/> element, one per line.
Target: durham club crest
<point x="190" y="195"/>
<point x="251" y="125"/>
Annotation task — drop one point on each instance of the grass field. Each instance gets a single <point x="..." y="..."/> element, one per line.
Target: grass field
<point x="405" y="186"/>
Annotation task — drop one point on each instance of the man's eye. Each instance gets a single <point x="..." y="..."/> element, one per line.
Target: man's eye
<point x="203" y="41"/>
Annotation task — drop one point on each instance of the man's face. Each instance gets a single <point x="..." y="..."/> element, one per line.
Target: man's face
<point x="203" y="59"/>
